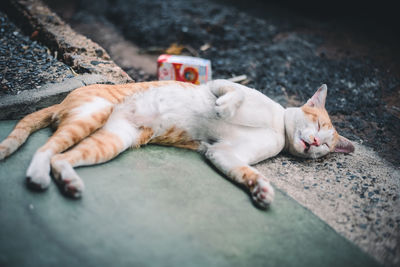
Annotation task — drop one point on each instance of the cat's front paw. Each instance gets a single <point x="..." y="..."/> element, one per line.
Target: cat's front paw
<point x="262" y="193"/>
<point x="225" y="111"/>
<point x="226" y="105"/>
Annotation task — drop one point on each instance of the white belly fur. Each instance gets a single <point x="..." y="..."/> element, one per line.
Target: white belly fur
<point x="193" y="111"/>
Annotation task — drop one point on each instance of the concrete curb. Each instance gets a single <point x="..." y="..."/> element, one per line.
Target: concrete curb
<point x="75" y="50"/>
<point x="16" y="106"/>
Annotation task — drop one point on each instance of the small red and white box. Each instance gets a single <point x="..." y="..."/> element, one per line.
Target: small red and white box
<point x="183" y="68"/>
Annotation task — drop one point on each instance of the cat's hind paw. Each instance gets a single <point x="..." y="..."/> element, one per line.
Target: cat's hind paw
<point x="67" y="179"/>
<point x="37" y="175"/>
<point x="262" y="193"/>
<point x="73" y="187"/>
<point x="39" y="183"/>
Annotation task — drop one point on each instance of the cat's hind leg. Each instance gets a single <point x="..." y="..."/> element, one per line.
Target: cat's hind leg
<point x="72" y="129"/>
<point x="105" y="144"/>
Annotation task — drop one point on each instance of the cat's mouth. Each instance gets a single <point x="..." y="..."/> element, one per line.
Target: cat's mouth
<point x="306" y="145"/>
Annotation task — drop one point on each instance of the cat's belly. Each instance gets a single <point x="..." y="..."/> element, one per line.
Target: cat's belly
<point x="173" y="112"/>
<point x="181" y="116"/>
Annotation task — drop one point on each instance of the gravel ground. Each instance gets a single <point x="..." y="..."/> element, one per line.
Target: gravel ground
<point x="25" y="64"/>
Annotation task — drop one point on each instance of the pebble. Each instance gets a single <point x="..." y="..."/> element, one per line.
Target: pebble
<point x="362" y="226"/>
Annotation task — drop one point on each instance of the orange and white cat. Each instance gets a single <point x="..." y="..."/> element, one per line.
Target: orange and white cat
<point x="232" y="125"/>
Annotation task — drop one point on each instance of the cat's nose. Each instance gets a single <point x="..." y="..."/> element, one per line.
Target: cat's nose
<point x="316" y="141"/>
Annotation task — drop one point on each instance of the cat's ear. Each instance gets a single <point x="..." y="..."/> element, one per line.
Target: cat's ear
<point x="344" y="145"/>
<point x="318" y="99"/>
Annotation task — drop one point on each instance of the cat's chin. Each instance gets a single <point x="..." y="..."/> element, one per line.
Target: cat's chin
<point x="300" y="154"/>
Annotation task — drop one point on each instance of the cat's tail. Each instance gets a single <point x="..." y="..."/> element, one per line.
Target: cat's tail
<point x="26" y="126"/>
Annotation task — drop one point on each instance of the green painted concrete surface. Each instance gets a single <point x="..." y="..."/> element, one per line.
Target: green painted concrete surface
<point x="156" y="206"/>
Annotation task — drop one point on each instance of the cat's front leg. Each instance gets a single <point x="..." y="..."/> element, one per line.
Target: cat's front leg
<point x="224" y="157"/>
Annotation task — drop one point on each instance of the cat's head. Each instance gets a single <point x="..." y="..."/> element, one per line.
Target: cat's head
<point x="309" y="130"/>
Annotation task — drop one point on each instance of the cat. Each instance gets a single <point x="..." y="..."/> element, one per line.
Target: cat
<point x="232" y="125"/>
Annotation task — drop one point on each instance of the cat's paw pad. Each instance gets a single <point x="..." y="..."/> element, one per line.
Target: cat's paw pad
<point x="72" y="187"/>
<point x="66" y="177"/>
<point x="38" y="182"/>
<point x="263" y="193"/>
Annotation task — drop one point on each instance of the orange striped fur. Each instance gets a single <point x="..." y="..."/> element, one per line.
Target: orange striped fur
<point x="70" y="130"/>
<point x="175" y="137"/>
<point x="24" y="128"/>
<point x="245" y="175"/>
<point x="76" y="124"/>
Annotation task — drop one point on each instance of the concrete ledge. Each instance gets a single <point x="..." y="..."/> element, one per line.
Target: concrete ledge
<point x="80" y="53"/>
<point x="75" y="50"/>
<point x="16" y="106"/>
